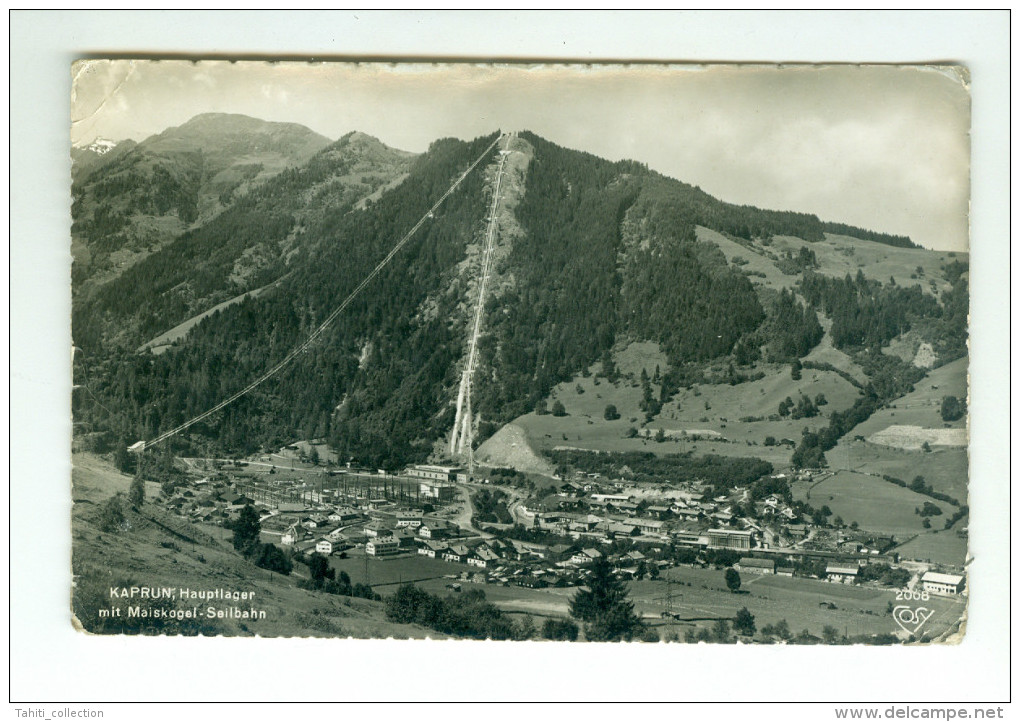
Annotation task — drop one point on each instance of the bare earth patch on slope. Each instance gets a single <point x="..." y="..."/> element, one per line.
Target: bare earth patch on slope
<point x="509" y="447"/>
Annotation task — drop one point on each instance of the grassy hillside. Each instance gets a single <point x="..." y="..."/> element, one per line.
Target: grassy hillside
<point x="159" y="550"/>
<point x="586" y="427"/>
<point x="873" y="503"/>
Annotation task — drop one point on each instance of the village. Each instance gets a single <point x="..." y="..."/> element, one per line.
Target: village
<point x="550" y="536"/>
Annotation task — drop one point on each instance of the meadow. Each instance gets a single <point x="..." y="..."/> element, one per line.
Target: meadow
<point x="875" y="504"/>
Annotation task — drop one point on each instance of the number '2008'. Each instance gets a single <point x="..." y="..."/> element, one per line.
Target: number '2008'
<point x="909" y="594"/>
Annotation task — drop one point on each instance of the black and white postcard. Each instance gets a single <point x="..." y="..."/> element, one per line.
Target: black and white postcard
<point x="510" y="352"/>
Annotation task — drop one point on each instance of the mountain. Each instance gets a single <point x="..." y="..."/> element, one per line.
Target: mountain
<point x="86" y="158"/>
<point x="130" y="199"/>
<point x="261" y="236"/>
<point x="591" y="259"/>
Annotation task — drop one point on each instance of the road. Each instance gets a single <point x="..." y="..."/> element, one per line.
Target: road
<point x="467" y="510"/>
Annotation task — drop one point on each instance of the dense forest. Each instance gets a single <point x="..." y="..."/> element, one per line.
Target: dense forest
<point x="868" y="314"/>
<point x="382" y="410"/>
<point x="842" y="229"/>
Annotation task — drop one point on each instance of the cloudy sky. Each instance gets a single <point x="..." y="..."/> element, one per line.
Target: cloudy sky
<point x="882" y="147"/>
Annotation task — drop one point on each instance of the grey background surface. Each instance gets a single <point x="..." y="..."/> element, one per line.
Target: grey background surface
<point x="51" y="661"/>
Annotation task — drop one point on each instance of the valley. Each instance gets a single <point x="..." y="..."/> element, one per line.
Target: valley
<point x="497" y="370"/>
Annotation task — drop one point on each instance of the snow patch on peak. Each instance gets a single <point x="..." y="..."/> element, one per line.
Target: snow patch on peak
<point x="101" y="146"/>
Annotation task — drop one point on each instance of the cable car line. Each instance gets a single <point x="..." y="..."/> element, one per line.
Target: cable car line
<point x="142" y="445"/>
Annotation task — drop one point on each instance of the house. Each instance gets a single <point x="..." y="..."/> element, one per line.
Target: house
<point x="457" y="554"/>
<point x="481" y="557"/>
<point x="942" y="584"/>
<point x="344" y="514"/>
<point x="649" y="526"/>
<point x="530" y="582"/>
<point x="729" y="539"/>
<point x="610" y="498"/>
<point x="336" y="535"/>
<point x="797" y="531"/>
<point x="617" y="528"/>
<point x="634" y="556"/>
<point x="435" y="530"/>
<point x="431" y="548"/>
<point x="291" y="537"/>
<point x="756" y="566"/>
<point x="784" y="571"/>
<point x="233" y="498"/>
<point x="689" y="538"/>
<point x="586" y="556"/>
<point x="324" y="546"/>
<point x="841" y="574"/>
<point x="524" y="551"/>
<point x="411" y="519"/>
<point x="879" y="544"/>
<point x="558" y="550"/>
<point x="404" y="537"/>
<point x="382" y="546"/>
<point x="376" y="528"/>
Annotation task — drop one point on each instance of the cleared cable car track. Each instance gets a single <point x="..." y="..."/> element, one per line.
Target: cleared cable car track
<point x="142" y="445"/>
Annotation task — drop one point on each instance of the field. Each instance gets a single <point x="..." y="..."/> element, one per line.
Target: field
<point x="826" y="353"/>
<point x="914" y="438"/>
<point x="937" y="546"/>
<point x="921" y="407"/>
<point x="859" y="610"/>
<point x="385" y="574"/>
<point x="944" y="468"/>
<point x="872" y="502"/>
<point x="838" y="256"/>
<point x="700" y="597"/>
<point x="757" y="261"/>
<point x="585" y="425"/>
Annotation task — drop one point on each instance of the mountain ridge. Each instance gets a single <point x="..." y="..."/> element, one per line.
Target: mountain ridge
<point x="603" y="253"/>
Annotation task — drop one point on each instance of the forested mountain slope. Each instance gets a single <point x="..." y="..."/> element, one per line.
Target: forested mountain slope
<point x="602" y="254"/>
<point x="244" y="247"/>
<point x="137" y="197"/>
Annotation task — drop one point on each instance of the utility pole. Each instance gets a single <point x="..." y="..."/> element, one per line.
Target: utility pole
<point x="669" y="602"/>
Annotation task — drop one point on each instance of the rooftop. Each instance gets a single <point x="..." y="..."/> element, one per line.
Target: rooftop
<point x="841" y="570"/>
<point x="431" y="467"/>
<point x="939" y="578"/>
<point x="730" y="532"/>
